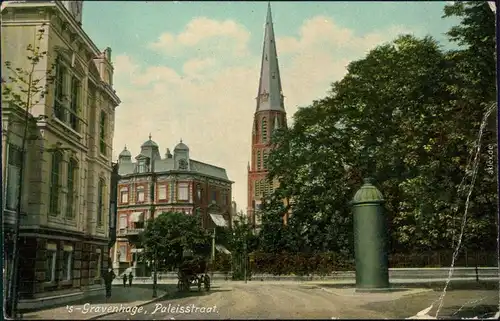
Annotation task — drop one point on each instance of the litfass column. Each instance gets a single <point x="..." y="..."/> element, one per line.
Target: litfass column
<point x="370" y="239"/>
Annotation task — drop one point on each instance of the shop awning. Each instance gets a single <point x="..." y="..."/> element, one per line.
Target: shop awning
<point x="137" y="217"/>
<point x="222" y="249"/>
<point x="218" y="220"/>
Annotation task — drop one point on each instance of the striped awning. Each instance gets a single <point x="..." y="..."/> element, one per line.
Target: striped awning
<point x="218" y="220"/>
<point x="222" y="249"/>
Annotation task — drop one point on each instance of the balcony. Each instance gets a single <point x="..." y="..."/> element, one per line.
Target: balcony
<point x="129" y="231"/>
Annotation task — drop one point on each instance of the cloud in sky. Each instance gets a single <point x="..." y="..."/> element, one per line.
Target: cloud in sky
<point x="210" y="102"/>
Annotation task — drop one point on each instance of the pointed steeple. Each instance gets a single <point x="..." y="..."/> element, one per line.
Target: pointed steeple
<point x="270" y="95"/>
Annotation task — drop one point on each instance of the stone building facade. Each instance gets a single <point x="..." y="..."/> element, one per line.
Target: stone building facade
<point x="270" y="114"/>
<point x="153" y="185"/>
<point x="67" y="156"/>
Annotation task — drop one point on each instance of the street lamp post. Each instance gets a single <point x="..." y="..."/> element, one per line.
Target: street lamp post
<point x="155" y="275"/>
<point x="213" y="255"/>
<point x="245" y="256"/>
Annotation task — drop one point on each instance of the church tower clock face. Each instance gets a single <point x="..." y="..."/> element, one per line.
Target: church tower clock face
<point x="183" y="164"/>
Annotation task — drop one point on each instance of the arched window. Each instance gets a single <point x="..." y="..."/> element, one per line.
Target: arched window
<point x="100" y="202"/>
<point x="139" y="194"/>
<point x="55" y="183"/>
<point x="71" y="184"/>
<point x="258" y="160"/>
<point x="264" y="129"/>
<point x="265" y="159"/>
<point x="257" y="188"/>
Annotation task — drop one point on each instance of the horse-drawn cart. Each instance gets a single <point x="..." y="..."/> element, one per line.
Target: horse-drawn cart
<point x="193" y="272"/>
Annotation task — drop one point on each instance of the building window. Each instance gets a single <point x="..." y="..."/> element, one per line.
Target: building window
<point x="265" y="156"/>
<point x="162" y="192"/>
<point x="55" y="181"/>
<point x="264" y="130"/>
<point x="99" y="264"/>
<point x="183" y="192"/>
<point x="140" y="194"/>
<point x="100" y="202"/>
<point x="124" y="195"/>
<point x="72" y="191"/>
<point x="102" y="133"/>
<point x="141" y="166"/>
<point x="123" y="253"/>
<point x="13" y="177"/>
<point x="67" y="263"/>
<point x="214" y="196"/>
<point x="75" y="103"/>
<point x="123" y="221"/>
<point x="264" y="187"/>
<point x="224" y="198"/>
<point x="50" y="262"/>
<point x="199" y="193"/>
<point x="258" y="160"/>
<point x="60" y="91"/>
<point x="257" y="188"/>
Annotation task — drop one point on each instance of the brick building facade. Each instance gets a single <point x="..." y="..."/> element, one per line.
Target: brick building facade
<point x="153" y="185"/>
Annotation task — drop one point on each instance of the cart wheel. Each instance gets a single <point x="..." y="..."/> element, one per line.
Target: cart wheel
<point x="207" y="283"/>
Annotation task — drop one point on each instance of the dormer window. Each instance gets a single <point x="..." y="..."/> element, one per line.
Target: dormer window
<point x="141" y="166"/>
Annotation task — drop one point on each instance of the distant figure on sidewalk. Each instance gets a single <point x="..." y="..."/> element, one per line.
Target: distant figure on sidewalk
<point x="109" y="276"/>
<point x="130" y="277"/>
<point x="124" y="279"/>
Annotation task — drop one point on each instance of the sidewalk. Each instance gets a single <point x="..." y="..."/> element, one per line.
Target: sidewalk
<point x="124" y="297"/>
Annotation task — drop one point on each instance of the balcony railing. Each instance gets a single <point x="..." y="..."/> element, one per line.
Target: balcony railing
<point x="129" y="231"/>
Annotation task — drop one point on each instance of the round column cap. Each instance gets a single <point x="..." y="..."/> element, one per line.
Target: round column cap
<point x="368" y="193"/>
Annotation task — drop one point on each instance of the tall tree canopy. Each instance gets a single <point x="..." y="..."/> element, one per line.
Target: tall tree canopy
<point x="408" y="114"/>
<point x="169" y="234"/>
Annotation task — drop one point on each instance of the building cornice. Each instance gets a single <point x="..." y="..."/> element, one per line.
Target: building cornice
<point x="173" y="173"/>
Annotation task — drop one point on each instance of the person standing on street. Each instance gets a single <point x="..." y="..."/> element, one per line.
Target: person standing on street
<point x="130" y="277"/>
<point x="124" y="279"/>
<point x="109" y="276"/>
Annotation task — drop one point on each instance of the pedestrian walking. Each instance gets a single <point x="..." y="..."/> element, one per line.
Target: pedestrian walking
<point x="124" y="279"/>
<point x="109" y="276"/>
<point x="130" y="277"/>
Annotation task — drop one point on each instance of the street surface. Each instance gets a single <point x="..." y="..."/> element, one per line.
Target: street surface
<point x="291" y="300"/>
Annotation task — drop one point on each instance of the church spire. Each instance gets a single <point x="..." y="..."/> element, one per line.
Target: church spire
<point x="270" y="95"/>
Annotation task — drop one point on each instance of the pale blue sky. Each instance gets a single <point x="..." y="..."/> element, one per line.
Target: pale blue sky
<point x="190" y="70"/>
<point x="133" y="24"/>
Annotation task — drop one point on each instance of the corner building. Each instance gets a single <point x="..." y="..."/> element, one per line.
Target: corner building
<point x="153" y="185"/>
<point x="269" y="115"/>
<point x="63" y="239"/>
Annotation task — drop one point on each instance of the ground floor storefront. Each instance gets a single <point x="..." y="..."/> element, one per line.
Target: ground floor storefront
<point x="55" y="268"/>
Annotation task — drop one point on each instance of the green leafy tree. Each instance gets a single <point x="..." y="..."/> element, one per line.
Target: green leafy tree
<point x="168" y="235"/>
<point x="241" y="233"/>
<point x="242" y="243"/>
<point x="474" y="64"/>
<point x="398" y="115"/>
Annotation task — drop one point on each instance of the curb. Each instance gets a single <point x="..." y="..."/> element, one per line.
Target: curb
<point x="140" y="305"/>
